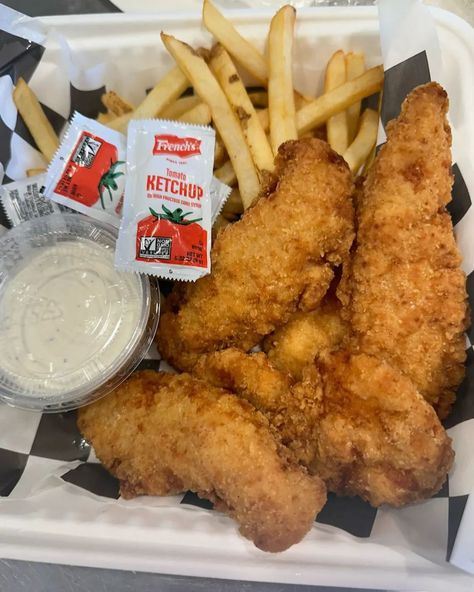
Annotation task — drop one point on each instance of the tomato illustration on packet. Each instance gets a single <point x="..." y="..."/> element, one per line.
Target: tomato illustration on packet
<point x="88" y="172"/>
<point x="171" y="237"/>
<point x="91" y="169"/>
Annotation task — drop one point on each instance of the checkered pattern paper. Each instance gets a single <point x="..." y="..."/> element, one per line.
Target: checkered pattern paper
<point x="44" y="458"/>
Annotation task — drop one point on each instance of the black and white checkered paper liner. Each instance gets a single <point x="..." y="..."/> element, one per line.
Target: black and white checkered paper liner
<point x="43" y="456"/>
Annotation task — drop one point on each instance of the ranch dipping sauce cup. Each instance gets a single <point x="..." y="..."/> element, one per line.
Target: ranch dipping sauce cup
<point x="72" y="327"/>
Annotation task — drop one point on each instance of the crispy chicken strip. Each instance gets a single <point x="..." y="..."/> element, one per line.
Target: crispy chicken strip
<point x="376" y="436"/>
<point x="408" y="295"/>
<point x="293" y="346"/>
<point x="278" y="258"/>
<point x="162" y="434"/>
<point x="291" y="409"/>
<point x="353" y="420"/>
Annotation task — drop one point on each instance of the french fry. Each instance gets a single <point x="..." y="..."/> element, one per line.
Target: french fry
<point x="180" y="106"/>
<point x="34" y="172"/>
<point x="35" y="119"/>
<point x="336" y="126"/>
<point x="220" y="153"/>
<point x="355" y="66"/>
<point x="165" y="91"/>
<point x="365" y="140"/>
<point x="207" y="87"/>
<point x="264" y="117"/>
<point x="200" y="114"/>
<point x="239" y="48"/>
<point x="224" y="70"/>
<point x="371" y="157"/>
<point x="226" y="174"/>
<point x="318" y="111"/>
<point x="369" y="161"/>
<point x="113" y="102"/>
<point x="301" y="100"/>
<point x="259" y="98"/>
<point x="106" y="118"/>
<point x="281" y="101"/>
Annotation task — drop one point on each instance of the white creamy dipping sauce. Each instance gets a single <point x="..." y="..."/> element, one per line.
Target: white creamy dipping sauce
<point x="66" y="318"/>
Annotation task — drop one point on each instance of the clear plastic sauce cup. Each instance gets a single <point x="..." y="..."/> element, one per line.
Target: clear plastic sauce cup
<point x="72" y="327"/>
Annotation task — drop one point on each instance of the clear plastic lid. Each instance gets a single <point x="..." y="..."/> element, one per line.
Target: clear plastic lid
<point x="72" y="327"/>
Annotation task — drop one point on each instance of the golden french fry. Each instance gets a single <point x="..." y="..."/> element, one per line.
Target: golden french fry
<point x="264" y="118"/>
<point x="106" y="118"/>
<point x="165" y="91"/>
<point x="239" y="48"/>
<point x="369" y="161"/>
<point x="180" y="106"/>
<point x="301" y="100"/>
<point x="233" y="206"/>
<point x="226" y="174"/>
<point x="365" y="140"/>
<point x="224" y="70"/>
<point x="281" y="101"/>
<point x="355" y="66"/>
<point x="113" y="102"/>
<point x="320" y="109"/>
<point x="207" y="87"/>
<point x="35" y="119"/>
<point x="220" y="153"/>
<point x="259" y="98"/>
<point x="336" y="126"/>
<point x="34" y="172"/>
<point x="200" y="114"/>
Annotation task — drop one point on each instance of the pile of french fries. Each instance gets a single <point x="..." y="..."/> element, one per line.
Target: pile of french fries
<point x="250" y="125"/>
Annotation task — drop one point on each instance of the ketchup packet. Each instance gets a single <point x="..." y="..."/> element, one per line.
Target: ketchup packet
<point x="87" y="172"/>
<point x="166" y="225"/>
<point x="23" y="200"/>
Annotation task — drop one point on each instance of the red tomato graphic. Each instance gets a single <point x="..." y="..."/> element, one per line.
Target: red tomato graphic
<point x="170" y="238"/>
<point x="91" y="172"/>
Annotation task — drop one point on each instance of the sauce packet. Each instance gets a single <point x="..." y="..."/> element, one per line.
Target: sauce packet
<point x="23" y="200"/>
<point x="87" y="172"/>
<point x="166" y="225"/>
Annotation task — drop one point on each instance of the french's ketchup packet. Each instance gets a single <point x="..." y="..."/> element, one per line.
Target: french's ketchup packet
<point x="166" y="224"/>
<point x="87" y="173"/>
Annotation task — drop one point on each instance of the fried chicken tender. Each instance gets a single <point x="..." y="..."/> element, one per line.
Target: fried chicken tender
<point x="296" y="344"/>
<point x="353" y="420"/>
<point x="162" y="434"/>
<point x="277" y="259"/>
<point x="291" y="408"/>
<point x="408" y="295"/>
<point x="387" y="449"/>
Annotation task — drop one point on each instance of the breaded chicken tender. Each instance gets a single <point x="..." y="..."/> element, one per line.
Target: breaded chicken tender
<point x="163" y="434"/>
<point x="296" y="344"/>
<point x="376" y="436"/>
<point x="277" y="259"/>
<point x="292" y="410"/>
<point x="353" y="420"/>
<point x="407" y="290"/>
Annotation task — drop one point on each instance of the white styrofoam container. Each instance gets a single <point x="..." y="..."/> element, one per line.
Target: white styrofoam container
<point x="142" y="535"/>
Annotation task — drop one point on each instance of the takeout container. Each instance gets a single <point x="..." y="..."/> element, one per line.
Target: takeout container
<point x="51" y="515"/>
<point x="72" y="328"/>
